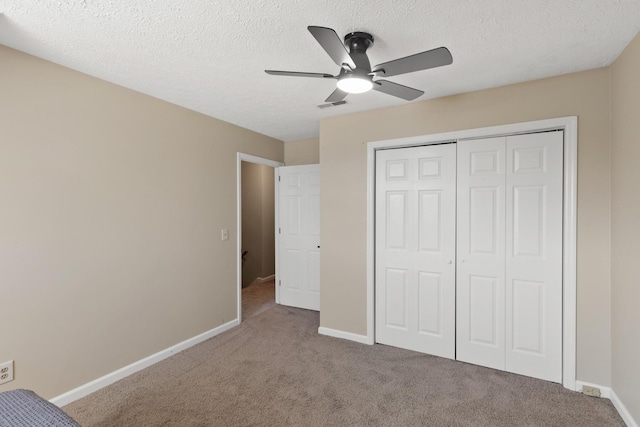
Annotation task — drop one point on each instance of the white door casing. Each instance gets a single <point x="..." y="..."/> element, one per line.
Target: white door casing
<point x="569" y="126"/>
<point x="481" y="252"/>
<point x="242" y="157"/>
<point x="415" y="259"/>
<point x="298" y="273"/>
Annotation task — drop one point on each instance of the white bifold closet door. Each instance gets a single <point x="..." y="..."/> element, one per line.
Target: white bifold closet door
<point x="509" y="253"/>
<point x="415" y="248"/>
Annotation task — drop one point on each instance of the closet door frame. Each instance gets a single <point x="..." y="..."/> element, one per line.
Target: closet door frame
<point x="570" y="127"/>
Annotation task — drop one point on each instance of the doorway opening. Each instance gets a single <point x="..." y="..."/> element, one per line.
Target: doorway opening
<point x="256" y="245"/>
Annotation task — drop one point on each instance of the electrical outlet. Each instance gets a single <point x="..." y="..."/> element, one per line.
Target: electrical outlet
<point x="591" y="391"/>
<point x="6" y="372"/>
<point x="225" y="234"/>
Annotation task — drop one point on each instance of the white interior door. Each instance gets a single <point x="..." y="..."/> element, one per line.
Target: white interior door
<point x="299" y="236"/>
<point x="481" y="252"/>
<point x="534" y="255"/>
<point x="415" y="249"/>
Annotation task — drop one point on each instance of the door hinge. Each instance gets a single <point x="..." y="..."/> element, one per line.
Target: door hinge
<point x="279" y="282"/>
<point x="279" y="230"/>
<point x="279" y="178"/>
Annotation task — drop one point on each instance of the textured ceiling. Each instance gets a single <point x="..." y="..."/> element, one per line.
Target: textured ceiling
<point x="209" y="55"/>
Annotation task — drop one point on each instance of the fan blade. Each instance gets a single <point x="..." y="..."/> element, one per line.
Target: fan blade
<point x="420" y="61"/>
<point x="336" y="95"/>
<point x="390" y="88"/>
<point x="298" y="74"/>
<point x="332" y="44"/>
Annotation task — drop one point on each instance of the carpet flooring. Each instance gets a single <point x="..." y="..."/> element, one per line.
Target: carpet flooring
<point x="258" y="297"/>
<point x="275" y="370"/>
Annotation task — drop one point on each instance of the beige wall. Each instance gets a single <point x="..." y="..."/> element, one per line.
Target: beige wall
<point x="343" y="142"/>
<point x="625" y="226"/>
<point x="302" y="152"/>
<point x="258" y="236"/>
<point x="112" y="205"/>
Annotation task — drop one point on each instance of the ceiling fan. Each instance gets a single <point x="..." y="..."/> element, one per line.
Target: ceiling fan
<point x="356" y="74"/>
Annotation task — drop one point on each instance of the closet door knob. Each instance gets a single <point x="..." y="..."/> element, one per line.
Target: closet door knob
<point x="449" y="262"/>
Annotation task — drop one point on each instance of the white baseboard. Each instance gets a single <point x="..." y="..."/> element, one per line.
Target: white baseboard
<point x="604" y="391"/>
<point x="97" y="384"/>
<point x="363" y="339"/>
<point x="622" y="410"/>
<point x="609" y="393"/>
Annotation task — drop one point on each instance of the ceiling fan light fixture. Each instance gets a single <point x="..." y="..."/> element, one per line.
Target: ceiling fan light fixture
<point x="353" y="83"/>
<point x="356" y="76"/>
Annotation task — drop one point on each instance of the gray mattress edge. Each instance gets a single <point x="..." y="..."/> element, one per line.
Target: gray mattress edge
<point x="24" y="408"/>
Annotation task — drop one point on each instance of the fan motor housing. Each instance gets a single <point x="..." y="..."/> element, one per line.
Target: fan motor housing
<point x="358" y="41"/>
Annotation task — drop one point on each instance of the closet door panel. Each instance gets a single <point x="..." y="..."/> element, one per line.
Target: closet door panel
<point x="415" y="249"/>
<point x="534" y="255"/>
<point x="480" y="277"/>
